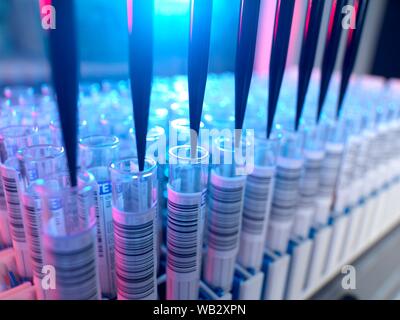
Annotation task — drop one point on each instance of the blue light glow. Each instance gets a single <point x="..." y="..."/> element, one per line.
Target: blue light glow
<point x="171" y="7"/>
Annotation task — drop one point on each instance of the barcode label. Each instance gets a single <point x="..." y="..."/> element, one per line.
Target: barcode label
<point x="286" y="191"/>
<point x="225" y="212"/>
<point x="185" y="228"/>
<point x="257" y="201"/>
<point x="135" y="236"/>
<point x="184" y="231"/>
<point x="105" y="237"/>
<point x="347" y="169"/>
<point x="11" y="184"/>
<point x="75" y="261"/>
<point x="330" y="168"/>
<point x="33" y="227"/>
<point x="5" y="235"/>
<point x="309" y="180"/>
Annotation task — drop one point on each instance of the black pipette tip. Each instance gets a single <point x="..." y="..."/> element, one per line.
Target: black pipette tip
<point x="312" y="27"/>
<point x="199" y="47"/>
<point x="245" y="51"/>
<point x="280" y="46"/>
<point x="64" y="67"/>
<point x="140" y="24"/>
<point x="352" y="46"/>
<point x="331" y="51"/>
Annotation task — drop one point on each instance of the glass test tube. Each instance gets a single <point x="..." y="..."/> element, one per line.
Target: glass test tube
<point x="69" y="236"/>
<point x="226" y="199"/>
<point x="347" y="194"/>
<point x="286" y="193"/>
<point x="313" y="153"/>
<point x="96" y="155"/>
<point x="37" y="162"/>
<point x="187" y="191"/>
<point x="11" y="220"/>
<point x="334" y="148"/>
<point x="135" y="228"/>
<point x="257" y="204"/>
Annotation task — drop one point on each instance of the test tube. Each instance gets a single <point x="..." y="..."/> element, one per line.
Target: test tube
<point x="257" y="204"/>
<point x="347" y="190"/>
<point x="69" y="237"/>
<point x="11" y="220"/>
<point x="135" y="228"/>
<point x="226" y="199"/>
<point x="286" y="193"/>
<point x="96" y="154"/>
<point x="37" y="162"/>
<point x="334" y="148"/>
<point x="185" y="225"/>
<point x="313" y="153"/>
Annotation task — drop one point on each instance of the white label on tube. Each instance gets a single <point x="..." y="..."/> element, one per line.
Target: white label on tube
<point x="184" y="243"/>
<point x="256" y="210"/>
<point x="286" y="191"/>
<point x="12" y="190"/>
<point x="33" y="227"/>
<point x="105" y="237"/>
<point x="74" y="258"/>
<point x="226" y="199"/>
<point x="136" y="254"/>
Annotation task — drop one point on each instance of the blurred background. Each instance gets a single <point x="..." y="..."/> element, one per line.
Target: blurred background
<point x="103" y="38"/>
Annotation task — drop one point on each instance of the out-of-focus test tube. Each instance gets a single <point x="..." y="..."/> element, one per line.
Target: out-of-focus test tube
<point x="346" y="195"/>
<point x="37" y="162"/>
<point x="185" y="225"/>
<point x="286" y="193"/>
<point x="226" y="199"/>
<point x="179" y="132"/>
<point x="334" y="148"/>
<point x="257" y="204"/>
<point x="11" y="140"/>
<point x="69" y="237"/>
<point x="96" y="155"/>
<point x="313" y="153"/>
<point x="135" y="228"/>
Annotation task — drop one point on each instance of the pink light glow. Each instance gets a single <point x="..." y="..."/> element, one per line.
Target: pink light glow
<point x="266" y="34"/>
<point x="129" y="5"/>
<point x="264" y="37"/>
<point x="331" y="20"/>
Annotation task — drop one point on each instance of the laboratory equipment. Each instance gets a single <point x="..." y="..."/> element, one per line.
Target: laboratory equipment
<point x="13" y="138"/>
<point x="289" y="165"/>
<point x="64" y="68"/>
<point x="69" y="237"/>
<point x="332" y="43"/>
<point x="224" y="220"/>
<point x="199" y="47"/>
<point x="96" y="154"/>
<point x="135" y="220"/>
<point x="37" y="162"/>
<point x="140" y="27"/>
<point x="312" y="25"/>
<point x="352" y="45"/>
<point x="187" y="190"/>
<point x="280" y="46"/>
<point x="257" y="204"/>
<point x="245" y="51"/>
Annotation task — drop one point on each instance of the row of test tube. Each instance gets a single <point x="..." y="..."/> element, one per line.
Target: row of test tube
<point x="113" y="234"/>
